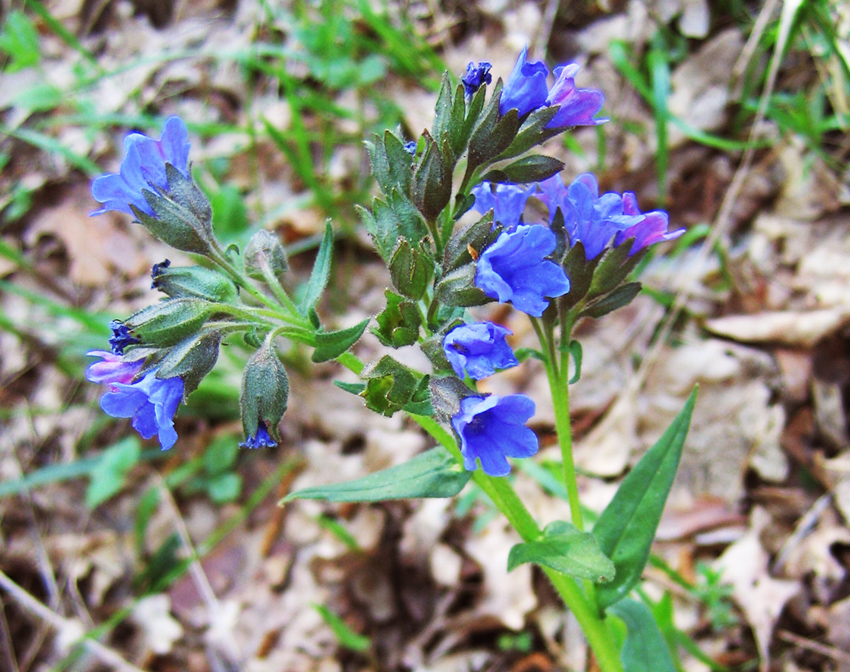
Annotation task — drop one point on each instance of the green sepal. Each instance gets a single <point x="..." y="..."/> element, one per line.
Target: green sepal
<point x="627" y="526"/>
<point x="579" y="271"/>
<point x="431" y="183"/>
<point x="431" y="474"/>
<point x="457" y="288"/>
<point x="398" y="323"/>
<point x="534" y="168"/>
<point x="613" y="268"/>
<point x="444" y="111"/>
<point x="446" y="395"/>
<point x="644" y="649"/>
<point x="463" y="132"/>
<point x="622" y="296"/>
<point x="331" y="344"/>
<point x="411" y="269"/>
<point x="391" y="163"/>
<point x="565" y="549"/>
<point x="265" y="391"/>
<point x="476" y="235"/>
<point x="182" y="215"/>
<point x="191" y="359"/>
<point x="532" y="132"/>
<point x="320" y="274"/>
<point x="169" y="321"/>
<point x="264" y="255"/>
<point x="390" y="386"/>
<point x="457" y="135"/>
<point x="391" y="220"/>
<point x="180" y="282"/>
<point x="493" y="135"/>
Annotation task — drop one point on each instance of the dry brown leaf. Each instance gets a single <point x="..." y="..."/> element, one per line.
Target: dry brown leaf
<point x="792" y="328"/>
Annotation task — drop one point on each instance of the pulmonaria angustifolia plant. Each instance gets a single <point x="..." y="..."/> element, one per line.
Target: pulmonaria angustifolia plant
<point x="453" y="225"/>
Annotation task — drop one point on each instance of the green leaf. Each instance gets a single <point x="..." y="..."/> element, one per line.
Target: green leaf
<point x="109" y="475"/>
<point x="576" y="352"/>
<point x="19" y="40"/>
<point x="391" y="163"/>
<point x="221" y="455"/>
<point x="321" y="271"/>
<point x="613" y="268"/>
<point x="331" y="344"/>
<point x="644" y="649"/>
<point x="627" y="526"/>
<point x="434" y="473"/>
<point x="565" y="549"/>
<point x="346" y="636"/>
<point x="622" y="296"/>
<point x="534" y="168"/>
<point x="224" y="488"/>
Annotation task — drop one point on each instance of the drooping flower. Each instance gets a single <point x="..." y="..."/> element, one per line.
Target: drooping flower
<point x="514" y="268"/>
<point x="410" y="147"/>
<point x="526" y="90"/>
<point x="261" y="439"/>
<point x="492" y="429"/>
<point x="151" y="403"/>
<point x="595" y="220"/>
<point x="111" y="369"/>
<point x="507" y="201"/>
<point x="475" y="77"/>
<point x="121" y="337"/>
<point x="478" y="349"/>
<point x="143" y="168"/>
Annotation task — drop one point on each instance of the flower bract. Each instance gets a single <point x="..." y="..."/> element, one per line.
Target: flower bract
<point x="507" y="201"/>
<point x="476" y="76"/>
<point x="261" y="439"/>
<point x="595" y="220"/>
<point x="526" y="90"/>
<point x="143" y="168"/>
<point x="478" y="349"/>
<point x="514" y="268"/>
<point x="151" y="403"/>
<point x="491" y="429"/>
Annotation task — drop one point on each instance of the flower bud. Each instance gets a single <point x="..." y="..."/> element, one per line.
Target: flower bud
<point x="265" y="254"/>
<point x="431" y="185"/>
<point x="196" y="282"/>
<point x="168" y="322"/>
<point x="265" y="391"/>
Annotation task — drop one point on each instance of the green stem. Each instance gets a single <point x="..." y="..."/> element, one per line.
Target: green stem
<point x="279" y="292"/>
<point x="506" y="500"/>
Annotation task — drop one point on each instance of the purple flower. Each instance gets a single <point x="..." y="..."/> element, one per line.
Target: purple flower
<point x="262" y="439"/>
<point x="151" y="403"/>
<point x="577" y="106"/>
<point x="478" y="349"/>
<point x="410" y="147"/>
<point x="492" y="429"/>
<point x="121" y="337"/>
<point x="112" y="369"/>
<point x="476" y="76"/>
<point x="595" y="220"/>
<point x="143" y="168"/>
<point x="507" y="203"/>
<point x="526" y="90"/>
<point x="514" y="268"/>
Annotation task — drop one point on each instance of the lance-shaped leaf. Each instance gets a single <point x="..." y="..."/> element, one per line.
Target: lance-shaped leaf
<point x="321" y="272"/>
<point x="627" y="526"/>
<point x="434" y="473"/>
<point x="431" y="185"/>
<point x="331" y="344"/>
<point x="532" y="132"/>
<point x="644" y="649"/>
<point x="390" y="163"/>
<point x="565" y="549"/>
<point x="613" y="268"/>
<point x="622" y="296"/>
<point x="534" y="168"/>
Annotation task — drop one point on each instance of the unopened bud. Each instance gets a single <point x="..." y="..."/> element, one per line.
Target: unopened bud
<point x="192" y="282"/>
<point x="265" y="254"/>
<point x="265" y="391"/>
<point x="168" y="322"/>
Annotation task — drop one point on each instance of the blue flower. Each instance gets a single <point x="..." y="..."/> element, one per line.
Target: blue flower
<point x="262" y="439"/>
<point x="112" y="369"/>
<point x="526" y="91"/>
<point x="476" y="76"/>
<point x="151" y="403"/>
<point x="595" y="220"/>
<point x="514" y="268"/>
<point x="478" y="349"/>
<point x="507" y="203"/>
<point x="121" y="337"/>
<point x="143" y="168"/>
<point x="492" y="429"/>
<point x="410" y="147"/>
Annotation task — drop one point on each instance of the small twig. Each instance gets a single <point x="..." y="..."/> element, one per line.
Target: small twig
<point x="64" y="625"/>
<point x="817" y="647"/>
<point x="544" y="32"/>
<point x="804" y="526"/>
<point x="6" y="645"/>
